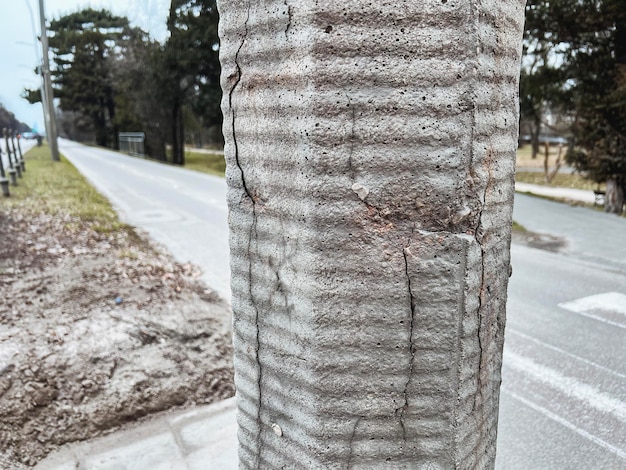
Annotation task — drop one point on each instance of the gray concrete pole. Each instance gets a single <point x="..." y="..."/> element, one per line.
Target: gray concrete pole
<point x="370" y="154"/>
<point x="44" y="101"/>
<point x="47" y="94"/>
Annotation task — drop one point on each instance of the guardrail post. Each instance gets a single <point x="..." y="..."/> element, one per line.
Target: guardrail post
<point x="16" y="161"/>
<point x="12" y="171"/>
<point x="21" y="161"/>
<point x="4" y="182"/>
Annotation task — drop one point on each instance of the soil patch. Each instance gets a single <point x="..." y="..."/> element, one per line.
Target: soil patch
<point x="542" y="241"/>
<point x="98" y="330"/>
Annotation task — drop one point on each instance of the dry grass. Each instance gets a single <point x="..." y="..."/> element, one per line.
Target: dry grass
<point x="56" y="188"/>
<point x="527" y="171"/>
<point x="561" y="180"/>
<point x="211" y="163"/>
<point x="524" y="159"/>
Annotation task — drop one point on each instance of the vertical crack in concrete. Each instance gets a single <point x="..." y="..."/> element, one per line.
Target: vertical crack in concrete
<point x="481" y="294"/>
<point x="459" y="356"/>
<point x="254" y="229"/>
<point x="480" y="330"/>
<point x="352" y="137"/>
<point x="253" y="235"/>
<point x="230" y="104"/>
<point x="478" y="231"/>
<point x="404" y="407"/>
<point x="351" y="442"/>
<point x="289" y="18"/>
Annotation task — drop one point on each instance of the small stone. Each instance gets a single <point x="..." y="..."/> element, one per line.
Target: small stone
<point x="87" y="383"/>
<point x="461" y="215"/>
<point x="277" y="430"/>
<point x="360" y="190"/>
<point x="118" y="300"/>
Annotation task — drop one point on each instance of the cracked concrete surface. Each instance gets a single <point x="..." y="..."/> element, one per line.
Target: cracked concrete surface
<point x="355" y="141"/>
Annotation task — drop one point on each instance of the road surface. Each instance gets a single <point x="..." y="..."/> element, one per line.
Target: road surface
<point x="563" y="401"/>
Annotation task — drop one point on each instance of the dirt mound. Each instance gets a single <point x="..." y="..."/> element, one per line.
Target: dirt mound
<point x="98" y="330"/>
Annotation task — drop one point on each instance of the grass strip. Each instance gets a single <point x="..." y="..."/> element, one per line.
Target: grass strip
<point x="211" y="163"/>
<point x="57" y="188"/>
<point x="518" y="227"/>
<point x="561" y="180"/>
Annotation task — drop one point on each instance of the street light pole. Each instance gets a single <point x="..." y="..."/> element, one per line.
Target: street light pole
<point x="44" y="102"/>
<point x="49" y="97"/>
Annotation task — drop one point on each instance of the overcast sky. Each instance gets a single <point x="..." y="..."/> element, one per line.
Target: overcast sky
<point x="17" y="50"/>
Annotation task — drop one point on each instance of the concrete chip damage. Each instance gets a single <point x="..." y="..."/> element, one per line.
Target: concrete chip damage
<point x="98" y="330"/>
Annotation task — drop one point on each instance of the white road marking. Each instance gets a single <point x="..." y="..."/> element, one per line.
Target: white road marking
<point x="613" y="302"/>
<point x="562" y="351"/>
<point x="569" y="386"/>
<point x="563" y="422"/>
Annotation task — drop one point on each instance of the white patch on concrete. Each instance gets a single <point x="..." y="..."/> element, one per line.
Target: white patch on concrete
<point x="568" y="386"/>
<point x="609" y="308"/>
<point x="360" y="190"/>
<point x="563" y="422"/>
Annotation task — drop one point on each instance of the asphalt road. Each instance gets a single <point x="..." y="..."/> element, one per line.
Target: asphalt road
<point x="590" y="234"/>
<point x="563" y="401"/>
<point x="564" y="376"/>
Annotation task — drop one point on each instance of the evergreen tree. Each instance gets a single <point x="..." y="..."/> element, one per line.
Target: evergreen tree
<point x="588" y="40"/>
<point x="192" y="67"/>
<point x="85" y="45"/>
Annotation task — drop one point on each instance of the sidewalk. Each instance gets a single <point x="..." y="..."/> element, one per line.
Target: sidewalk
<point x="203" y="438"/>
<point x="577" y="195"/>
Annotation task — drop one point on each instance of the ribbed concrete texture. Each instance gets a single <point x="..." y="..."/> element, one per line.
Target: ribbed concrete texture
<point x="370" y="149"/>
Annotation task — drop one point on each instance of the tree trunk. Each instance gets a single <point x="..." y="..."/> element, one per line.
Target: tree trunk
<point x="178" y="134"/>
<point x="614" y="198"/>
<point x="548" y="173"/>
<point x="535" y="129"/>
<point x="111" y="110"/>
<point x="155" y="145"/>
<point x="371" y="160"/>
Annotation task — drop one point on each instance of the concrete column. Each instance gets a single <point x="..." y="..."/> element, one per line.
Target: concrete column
<point x="371" y="151"/>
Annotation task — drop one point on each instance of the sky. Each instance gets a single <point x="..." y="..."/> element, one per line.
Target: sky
<point x="17" y="43"/>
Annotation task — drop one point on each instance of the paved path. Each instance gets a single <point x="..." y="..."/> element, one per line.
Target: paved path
<point x="578" y="195"/>
<point x="199" y="439"/>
